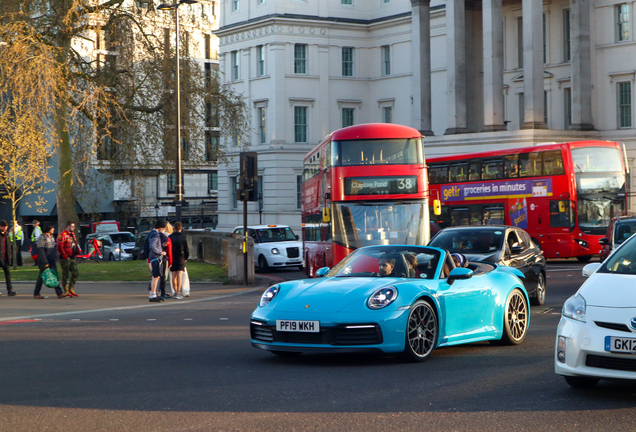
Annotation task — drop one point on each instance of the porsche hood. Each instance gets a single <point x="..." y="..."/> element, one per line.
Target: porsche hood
<point x="328" y="295"/>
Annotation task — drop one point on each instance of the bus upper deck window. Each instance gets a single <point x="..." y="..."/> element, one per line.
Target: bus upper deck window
<point x="492" y="169"/>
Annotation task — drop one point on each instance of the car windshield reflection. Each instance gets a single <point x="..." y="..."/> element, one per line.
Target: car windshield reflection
<point x="469" y="241"/>
<point x="394" y="261"/>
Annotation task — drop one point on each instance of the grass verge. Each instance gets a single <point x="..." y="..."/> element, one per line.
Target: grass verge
<point x="125" y="271"/>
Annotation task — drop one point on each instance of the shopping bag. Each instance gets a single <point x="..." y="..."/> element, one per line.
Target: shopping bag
<point x="49" y="277"/>
<point x="171" y="286"/>
<point x="185" y="284"/>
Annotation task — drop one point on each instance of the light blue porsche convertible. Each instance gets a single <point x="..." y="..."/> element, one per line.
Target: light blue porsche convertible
<point x="393" y="299"/>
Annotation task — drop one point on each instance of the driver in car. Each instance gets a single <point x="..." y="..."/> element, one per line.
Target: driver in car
<point x="385" y="266"/>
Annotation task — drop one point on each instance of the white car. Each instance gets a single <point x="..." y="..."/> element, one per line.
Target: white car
<point x="274" y="246"/>
<point x="596" y="338"/>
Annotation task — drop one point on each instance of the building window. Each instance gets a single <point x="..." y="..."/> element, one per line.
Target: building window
<point x="259" y="191"/>
<point x="347" y="61"/>
<point x="260" y="60"/>
<point x="346" y="2"/>
<point x="521" y="109"/>
<point x="235" y="136"/>
<point x="622" y="22"/>
<point x="211" y="146"/>
<point x="348" y="117"/>
<point x="260" y="2"/>
<point x="300" y="59"/>
<point x="260" y="115"/>
<point x="385" y="1"/>
<point x="300" y="124"/>
<point x="235" y="65"/>
<point x="387" y="114"/>
<point x="235" y="5"/>
<point x="299" y="184"/>
<point x="234" y="181"/>
<point x="625" y="105"/>
<point x="208" y="47"/>
<point x="213" y="181"/>
<point x="520" y="42"/>
<point x="567" y="107"/>
<point x="185" y="147"/>
<point x="171" y="183"/>
<point x="545" y="41"/>
<point x="545" y="107"/>
<point x="566" y="35"/>
<point x="386" y="60"/>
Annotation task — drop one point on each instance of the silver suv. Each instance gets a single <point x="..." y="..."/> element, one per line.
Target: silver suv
<point x="115" y="246"/>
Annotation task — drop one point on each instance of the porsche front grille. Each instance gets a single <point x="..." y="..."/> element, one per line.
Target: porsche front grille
<point x="344" y="334"/>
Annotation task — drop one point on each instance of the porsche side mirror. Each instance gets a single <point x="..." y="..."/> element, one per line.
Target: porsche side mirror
<point x="322" y="272"/>
<point x="589" y="269"/>
<point x="604" y="241"/>
<point x="459" y="273"/>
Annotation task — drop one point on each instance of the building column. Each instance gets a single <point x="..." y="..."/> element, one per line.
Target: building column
<point x="534" y="113"/>
<point x="493" y="66"/>
<point x="456" y="66"/>
<point x="581" y="65"/>
<point x="421" y="58"/>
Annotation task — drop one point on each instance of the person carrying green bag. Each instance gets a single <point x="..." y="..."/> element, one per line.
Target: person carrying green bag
<point x="47" y="259"/>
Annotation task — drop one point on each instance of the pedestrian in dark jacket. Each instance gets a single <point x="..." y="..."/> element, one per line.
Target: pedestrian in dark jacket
<point x="180" y="255"/>
<point x="47" y="259"/>
<point x="155" y="254"/>
<point x="6" y="256"/>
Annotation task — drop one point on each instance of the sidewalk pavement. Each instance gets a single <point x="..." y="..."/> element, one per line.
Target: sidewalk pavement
<point x="106" y="295"/>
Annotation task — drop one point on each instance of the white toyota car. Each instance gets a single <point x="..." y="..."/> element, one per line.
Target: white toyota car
<point x="274" y="246"/>
<point x="596" y="338"/>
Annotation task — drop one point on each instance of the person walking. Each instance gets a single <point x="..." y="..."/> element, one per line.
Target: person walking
<point x="180" y="253"/>
<point x="17" y="234"/>
<point x="68" y="248"/>
<point x="47" y="258"/>
<point x="37" y="232"/>
<point x="155" y="253"/>
<point x="6" y="256"/>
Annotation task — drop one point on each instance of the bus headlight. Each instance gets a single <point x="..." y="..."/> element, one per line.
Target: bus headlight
<point x="583" y="243"/>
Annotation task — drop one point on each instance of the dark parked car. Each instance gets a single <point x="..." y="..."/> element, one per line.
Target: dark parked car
<point x="502" y="245"/>
<point x="619" y="230"/>
<point x="138" y="251"/>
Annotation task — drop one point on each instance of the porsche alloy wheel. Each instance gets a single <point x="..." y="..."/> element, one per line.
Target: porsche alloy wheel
<point x="539" y="299"/>
<point x="515" y="318"/>
<point x="421" y="332"/>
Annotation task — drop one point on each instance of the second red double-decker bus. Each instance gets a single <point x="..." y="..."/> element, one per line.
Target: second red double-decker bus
<point x="563" y="195"/>
<point x="363" y="185"/>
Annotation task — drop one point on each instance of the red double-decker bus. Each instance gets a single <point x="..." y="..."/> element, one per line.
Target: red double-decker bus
<point x="563" y="195"/>
<point x="363" y="185"/>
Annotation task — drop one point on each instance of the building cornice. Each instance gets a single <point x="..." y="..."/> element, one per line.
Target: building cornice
<point x="227" y="29"/>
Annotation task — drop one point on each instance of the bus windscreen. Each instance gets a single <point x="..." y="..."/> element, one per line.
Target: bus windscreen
<point x="378" y="152"/>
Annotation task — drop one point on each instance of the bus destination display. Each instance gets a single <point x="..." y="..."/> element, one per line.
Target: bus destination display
<point x="380" y="185"/>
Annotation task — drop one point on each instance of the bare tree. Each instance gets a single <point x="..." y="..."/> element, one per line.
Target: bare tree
<point x="115" y="106"/>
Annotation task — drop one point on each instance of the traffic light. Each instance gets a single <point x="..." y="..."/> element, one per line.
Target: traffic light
<point x="248" y="182"/>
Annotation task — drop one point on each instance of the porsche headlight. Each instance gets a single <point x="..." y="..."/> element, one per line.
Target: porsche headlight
<point x="382" y="297"/>
<point x="269" y="295"/>
<point x="275" y="251"/>
<point x="574" y="308"/>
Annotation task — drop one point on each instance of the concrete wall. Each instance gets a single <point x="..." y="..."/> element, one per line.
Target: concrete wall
<point x="222" y="249"/>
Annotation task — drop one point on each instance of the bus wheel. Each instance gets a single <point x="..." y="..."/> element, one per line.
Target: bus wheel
<point x="584" y="259"/>
<point x="536" y="242"/>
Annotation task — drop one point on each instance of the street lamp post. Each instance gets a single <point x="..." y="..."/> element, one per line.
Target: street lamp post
<point x="179" y="186"/>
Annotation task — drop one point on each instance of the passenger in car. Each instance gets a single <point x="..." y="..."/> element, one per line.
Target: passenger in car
<point x="411" y="263"/>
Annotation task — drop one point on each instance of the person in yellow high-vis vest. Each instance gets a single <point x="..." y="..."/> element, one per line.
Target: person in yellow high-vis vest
<point x="18" y="235"/>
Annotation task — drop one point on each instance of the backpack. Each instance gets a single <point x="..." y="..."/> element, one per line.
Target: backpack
<point x="34" y="251"/>
<point x="145" y="250"/>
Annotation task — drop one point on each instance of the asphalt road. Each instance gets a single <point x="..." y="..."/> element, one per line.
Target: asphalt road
<point x="190" y="367"/>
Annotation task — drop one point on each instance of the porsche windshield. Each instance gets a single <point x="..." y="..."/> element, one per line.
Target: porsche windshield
<point x="381" y="261"/>
<point x="469" y="241"/>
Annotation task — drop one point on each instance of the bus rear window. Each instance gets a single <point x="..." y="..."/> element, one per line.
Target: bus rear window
<point x="378" y="152"/>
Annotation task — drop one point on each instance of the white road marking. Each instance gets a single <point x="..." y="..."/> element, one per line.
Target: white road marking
<point x="151" y="319"/>
<point x="75" y="319"/>
<point x="187" y="319"/>
<point x="141" y="306"/>
<point x="114" y="319"/>
<point x="224" y="319"/>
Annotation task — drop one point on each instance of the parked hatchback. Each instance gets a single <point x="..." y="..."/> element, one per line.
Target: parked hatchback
<point x="501" y="245"/>
<point x="619" y="230"/>
<point x="115" y="246"/>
